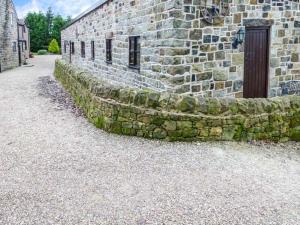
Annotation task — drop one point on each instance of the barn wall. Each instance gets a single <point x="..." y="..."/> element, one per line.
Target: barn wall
<point x="183" y="53"/>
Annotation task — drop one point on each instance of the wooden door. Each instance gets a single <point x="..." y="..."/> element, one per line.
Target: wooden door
<point x="256" y="62"/>
<point x="19" y="53"/>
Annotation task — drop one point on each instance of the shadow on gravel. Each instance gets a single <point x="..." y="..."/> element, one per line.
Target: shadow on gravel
<point x="50" y="88"/>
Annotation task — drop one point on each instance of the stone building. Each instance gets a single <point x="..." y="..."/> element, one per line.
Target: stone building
<point x="12" y="37"/>
<point x="24" y="40"/>
<point x="209" y="48"/>
<point x="8" y="35"/>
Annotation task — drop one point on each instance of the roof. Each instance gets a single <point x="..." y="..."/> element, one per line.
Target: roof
<point x="85" y="13"/>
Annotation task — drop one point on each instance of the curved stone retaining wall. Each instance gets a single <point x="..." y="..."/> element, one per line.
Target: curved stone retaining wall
<point x="175" y="117"/>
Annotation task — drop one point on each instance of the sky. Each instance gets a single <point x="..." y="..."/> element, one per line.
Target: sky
<point x="63" y="7"/>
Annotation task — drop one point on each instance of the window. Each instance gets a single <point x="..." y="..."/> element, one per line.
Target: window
<point x="72" y="48"/>
<point x="109" y="50"/>
<point x="25" y="45"/>
<point x="65" y="47"/>
<point x="92" y="50"/>
<point x="14" y="46"/>
<point x="83" y="49"/>
<point x="134" y="52"/>
<point x="11" y="19"/>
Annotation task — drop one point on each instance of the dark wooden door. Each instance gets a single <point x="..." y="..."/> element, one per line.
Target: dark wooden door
<point x="19" y="53"/>
<point x="256" y="62"/>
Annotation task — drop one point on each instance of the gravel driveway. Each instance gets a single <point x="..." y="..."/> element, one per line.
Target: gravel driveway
<point x="56" y="168"/>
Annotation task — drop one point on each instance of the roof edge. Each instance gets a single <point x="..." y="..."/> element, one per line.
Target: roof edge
<point x="86" y="12"/>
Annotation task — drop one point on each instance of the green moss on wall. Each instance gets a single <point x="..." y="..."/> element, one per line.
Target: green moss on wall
<point x="175" y="117"/>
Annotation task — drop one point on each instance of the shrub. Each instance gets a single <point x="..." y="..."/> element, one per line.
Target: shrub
<point x="42" y="52"/>
<point x="53" y="47"/>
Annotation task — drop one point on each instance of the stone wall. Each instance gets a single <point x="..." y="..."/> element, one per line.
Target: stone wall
<point x="172" y="117"/>
<point x="119" y="20"/>
<point x="220" y="70"/>
<point x="181" y="52"/>
<point x="8" y="35"/>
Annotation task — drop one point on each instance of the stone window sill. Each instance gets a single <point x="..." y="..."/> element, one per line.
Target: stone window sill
<point x="134" y="67"/>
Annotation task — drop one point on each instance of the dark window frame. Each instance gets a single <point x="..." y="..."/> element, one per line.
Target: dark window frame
<point x="82" y="44"/>
<point x="65" y="47"/>
<point x="93" y="50"/>
<point x="72" y="48"/>
<point x="109" y="51"/>
<point x="134" y="52"/>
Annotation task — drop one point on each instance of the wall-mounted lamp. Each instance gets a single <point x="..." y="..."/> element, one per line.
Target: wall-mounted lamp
<point x="239" y="38"/>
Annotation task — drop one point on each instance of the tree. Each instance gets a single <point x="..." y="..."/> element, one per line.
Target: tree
<point x="53" y="47"/>
<point x="44" y="28"/>
<point x="68" y="20"/>
<point x="58" y="23"/>
<point x="49" y="19"/>
<point x="37" y="24"/>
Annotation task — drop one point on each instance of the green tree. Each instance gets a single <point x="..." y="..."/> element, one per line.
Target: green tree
<point x="58" y="23"/>
<point x="68" y="20"/>
<point x="37" y="24"/>
<point x="53" y="47"/>
<point x="49" y="18"/>
<point x="44" y="28"/>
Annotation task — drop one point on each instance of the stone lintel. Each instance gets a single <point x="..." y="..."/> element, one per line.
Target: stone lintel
<point x="257" y="22"/>
<point x="109" y="35"/>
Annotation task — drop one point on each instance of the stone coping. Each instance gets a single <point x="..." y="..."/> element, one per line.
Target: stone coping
<point x="176" y="117"/>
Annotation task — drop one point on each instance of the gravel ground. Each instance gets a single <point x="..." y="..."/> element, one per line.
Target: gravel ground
<point x="56" y="168"/>
<point x="48" y="87"/>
